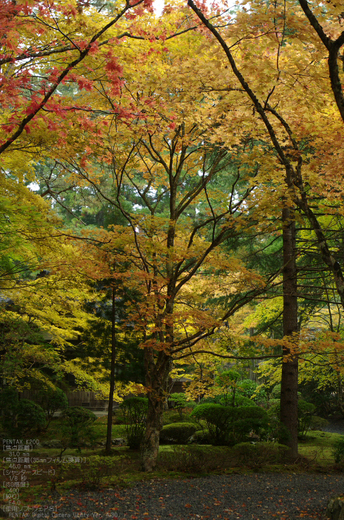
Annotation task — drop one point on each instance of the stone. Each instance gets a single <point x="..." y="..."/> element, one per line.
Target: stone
<point x="335" y="508"/>
<point x="119" y="441"/>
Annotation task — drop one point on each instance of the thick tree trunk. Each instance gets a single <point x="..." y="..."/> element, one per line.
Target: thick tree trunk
<point x="289" y="382"/>
<point x="158" y="367"/>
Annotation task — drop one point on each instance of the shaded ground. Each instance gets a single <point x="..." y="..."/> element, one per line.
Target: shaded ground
<point x="245" y="497"/>
<point x="335" y="426"/>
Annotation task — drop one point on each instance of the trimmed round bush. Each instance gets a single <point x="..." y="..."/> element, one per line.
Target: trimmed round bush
<point x="217" y="418"/>
<point x="318" y="423"/>
<point x="259" y="454"/>
<point x="247" y="421"/>
<point x="20" y="417"/>
<point x="229" y="425"/>
<point x="78" y="415"/>
<point x="201" y="437"/>
<point x="177" y="433"/>
<point x="28" y="417"/>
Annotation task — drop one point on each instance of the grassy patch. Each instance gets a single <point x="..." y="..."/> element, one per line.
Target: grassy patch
<point x="318" y="447"/>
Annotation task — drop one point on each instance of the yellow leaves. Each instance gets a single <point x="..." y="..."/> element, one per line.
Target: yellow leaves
<point x="267" y="310"/>
<point x="85" y="379"/>
<point x="53" y="305"/>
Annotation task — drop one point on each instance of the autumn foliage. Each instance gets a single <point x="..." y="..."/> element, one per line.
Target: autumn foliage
<point x="171" y="155"/>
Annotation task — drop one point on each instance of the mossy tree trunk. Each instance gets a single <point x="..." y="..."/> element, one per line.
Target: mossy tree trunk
<point x="158" y="367"/>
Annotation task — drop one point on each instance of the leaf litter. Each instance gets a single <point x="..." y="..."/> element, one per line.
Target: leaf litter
<point x="231" y="497"/>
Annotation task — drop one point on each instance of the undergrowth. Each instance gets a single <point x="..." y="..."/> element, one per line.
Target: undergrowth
<point x="92" y="469"/>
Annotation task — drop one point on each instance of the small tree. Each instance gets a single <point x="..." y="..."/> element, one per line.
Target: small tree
<point x="51" y="400"/>
<point x="76" y="427"/>
<point x="180" y="402"/>
<point x="135" y="412"/>
<point x="227" y="381"/>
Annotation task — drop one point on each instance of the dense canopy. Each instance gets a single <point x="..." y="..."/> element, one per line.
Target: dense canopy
<point x="171" y="195"/>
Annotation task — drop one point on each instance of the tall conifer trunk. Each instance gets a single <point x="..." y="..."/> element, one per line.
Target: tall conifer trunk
<point x="112" y="373"/>
<point x="289" y="381"/>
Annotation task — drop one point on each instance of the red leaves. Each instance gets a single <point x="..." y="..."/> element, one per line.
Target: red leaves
<point x="69" y="11"/>
<point x="112" y="64"/>
<point x="113" y="70"/>
<point x="33" y="107"/>
<point x="86" y="84"/>
<point x="94" y="47"/>
<point x="81" y="44"/>
<point x="54" y="74"/>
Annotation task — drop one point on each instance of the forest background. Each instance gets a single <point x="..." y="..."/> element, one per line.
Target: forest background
<point x="171" y="197"/>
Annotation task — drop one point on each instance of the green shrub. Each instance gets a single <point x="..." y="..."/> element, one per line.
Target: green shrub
<point x="260" y="454"/>
<point x="76" y="427"/>
<point x="177" y="433"/>
<point x="252" y="390"/>
<point x="96" y="469"/>
<point x="222" y="399"/>
<point x="191" y="459"/>
<point x="199" y="459"/>
<point x="170" y="416"/>
<point x="241" y="400"/>
<point x="118" y="417"/>
<point x="8" y="403"/>
<point x="338" y="451"/>
<point x="247" y="387"/>
<point x="91" y="473"/>
<point x="201" y="437"/>
<point x="305" y="412"/>
<point x="229" y="425"/>
<point x="318" y="423"/>
<point x="135" y="411"/>
<point x="20" y="417"/>
<point x="276" y="431"/>
<point x="276" y="392"/>
<point x="217" y="418"/>
<point x="247" y="421"/>
<point x="51" y="400"/>
<point x="227" y="381"/>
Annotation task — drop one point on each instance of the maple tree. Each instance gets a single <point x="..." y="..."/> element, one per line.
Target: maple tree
<point x="42" y="292"/>
<point x="175" y="171"/>
<point x="185" y="155"/>
<point x="50" y="53"/>
<point x="294" y="134"/>
<point x="180" y="211"/>
<point x="44" y="51"/>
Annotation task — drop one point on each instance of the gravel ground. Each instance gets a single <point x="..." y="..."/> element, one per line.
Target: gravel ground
<point x="335" y="427"/>
<point x="245" y="497"/>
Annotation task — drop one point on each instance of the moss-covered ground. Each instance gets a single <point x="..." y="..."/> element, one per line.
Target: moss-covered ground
<point x="89" y="467"/>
